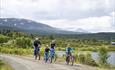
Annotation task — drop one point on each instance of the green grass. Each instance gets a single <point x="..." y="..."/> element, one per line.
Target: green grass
<point x="17" y="51"/>
<point x="108" y="68"/>
<point x="5" y="66"/>
<point x="95" y="49"/>
<point x="29" y="51"/>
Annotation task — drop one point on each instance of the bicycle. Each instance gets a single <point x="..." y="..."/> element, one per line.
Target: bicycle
<point x="70" y="58"/>
<point x="37" y="54"/>
<point x="46" y="57"/>
<point x="52" y="58"/>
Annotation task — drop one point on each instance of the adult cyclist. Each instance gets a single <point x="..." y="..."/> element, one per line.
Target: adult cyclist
<point x="37" y="45"/>
<point x="52" y="50"/>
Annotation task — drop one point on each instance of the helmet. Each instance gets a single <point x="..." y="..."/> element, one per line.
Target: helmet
<point x="53" y="41"/>
<point x="47" y="45"/>
<point x="36" y="38"/>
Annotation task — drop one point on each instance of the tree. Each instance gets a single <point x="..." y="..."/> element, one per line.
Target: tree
<point x="23" y="42"/>
<point x="3" y="39"/>
<point x="51" y="37"/>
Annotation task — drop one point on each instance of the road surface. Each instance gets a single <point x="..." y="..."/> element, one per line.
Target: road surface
<point x="28" y="63"/>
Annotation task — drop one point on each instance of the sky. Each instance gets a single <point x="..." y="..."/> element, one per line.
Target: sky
<point x="73" y="15"/>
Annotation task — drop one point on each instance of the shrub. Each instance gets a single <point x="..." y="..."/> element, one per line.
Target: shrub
<point x="81" y="58"/>
<point x="23" y="42"/>
<point x="86" y="59"/>
<point x="17" y="51"/>
<point x="3" y="39"/>
<point x="103" y="56"/>
<point x="89" y="60"/>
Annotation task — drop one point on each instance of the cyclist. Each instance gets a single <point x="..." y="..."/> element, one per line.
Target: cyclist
<point x="68" y="51"/>
<point x="52" y="49"/>
<point x="37" y="45"/>
<point x="46" y="53"/>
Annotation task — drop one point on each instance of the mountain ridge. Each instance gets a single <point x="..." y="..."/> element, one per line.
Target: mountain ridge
<point x="31" y="26"/>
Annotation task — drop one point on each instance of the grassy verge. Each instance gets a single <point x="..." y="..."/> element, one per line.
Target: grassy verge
<point x="17" y="51"/>
<point x="5" y="66"/>
<point x="84" y="57"/>
<point x="113" y="68"/>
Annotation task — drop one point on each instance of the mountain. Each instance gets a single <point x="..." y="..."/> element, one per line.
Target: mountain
<point x="81" y="30"/>
<point x="30" y="26"/>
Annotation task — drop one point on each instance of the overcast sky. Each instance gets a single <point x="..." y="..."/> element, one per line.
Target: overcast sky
<point x="73" y="15"/>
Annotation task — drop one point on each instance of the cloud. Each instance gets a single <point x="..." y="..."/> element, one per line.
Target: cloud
<point x="91" y="15"/>
<point x="57" y="9"/>
<point x="91" y="24"/>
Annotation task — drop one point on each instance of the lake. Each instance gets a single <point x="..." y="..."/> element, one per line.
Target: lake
<point x="111" y="59"/>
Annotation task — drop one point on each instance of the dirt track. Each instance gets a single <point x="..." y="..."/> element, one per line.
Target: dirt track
<point x="28" y="63"/>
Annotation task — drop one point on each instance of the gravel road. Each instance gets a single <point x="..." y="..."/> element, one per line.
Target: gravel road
<point x="28" y="63"/>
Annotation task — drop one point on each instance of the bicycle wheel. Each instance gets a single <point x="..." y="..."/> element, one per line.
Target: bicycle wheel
<point x="38" y="55"/>
<point x="35" y="54"/>
<point x="67" y="60"/>
<point x="55" y="58"/>
<point x="72" y="60"/>
<point x="50" y="59"/>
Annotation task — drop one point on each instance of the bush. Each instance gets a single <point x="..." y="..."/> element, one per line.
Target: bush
<point x="86" y="59"/>
<point x="76" y="57"/>
<point x="89" y="60"/>
<point x="81" y="58"/>
<point x="23" y="42"/>
<point x="103" y="56"/>
<point x="17" y="51"/>
<point x="3" y="39"/>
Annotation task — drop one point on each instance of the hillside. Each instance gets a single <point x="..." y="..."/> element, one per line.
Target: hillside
<point x="30" y="26"/>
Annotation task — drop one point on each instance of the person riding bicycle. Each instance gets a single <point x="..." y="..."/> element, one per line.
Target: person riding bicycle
<point x="52" y="49"/>
<point x="46" y="53"/>
<point x="68" y="51"/>
<point x="37" y="45"/>
<point x="69" y="55"/>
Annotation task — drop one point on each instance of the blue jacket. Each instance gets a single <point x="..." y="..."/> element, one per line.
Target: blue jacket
<point x="68" y="50"/>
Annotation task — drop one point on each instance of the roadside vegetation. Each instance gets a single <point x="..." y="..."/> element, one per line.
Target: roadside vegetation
<point x="12" y="42"/>
<point x="5" y="66"/>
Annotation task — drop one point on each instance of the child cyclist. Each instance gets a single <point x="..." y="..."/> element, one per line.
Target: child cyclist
<point x="46" y="53"/>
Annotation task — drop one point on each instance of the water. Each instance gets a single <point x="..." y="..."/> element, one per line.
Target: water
<point x="60" y="53"/>
<point x="111" y="59"/>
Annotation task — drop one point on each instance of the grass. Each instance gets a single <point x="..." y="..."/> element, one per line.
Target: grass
<point x="17" y="51"/>
<point x="113" y="68"/>
<point x="5" y="66"/>
<point x="96" y="48"/>
<point x="90" y="48"/>
<point x="29" y="51"/>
